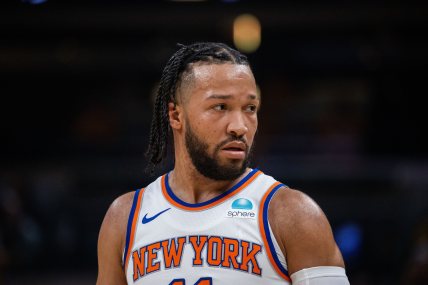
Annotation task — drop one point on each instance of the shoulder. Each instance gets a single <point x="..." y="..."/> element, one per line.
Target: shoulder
<point x="292" y="206"/>
<point x="111" y="241"/>
<point x="120" y="208"/>
<point x="302" y="230"/>
<point x="122" y="204"/>
<point x="116" y="219"/>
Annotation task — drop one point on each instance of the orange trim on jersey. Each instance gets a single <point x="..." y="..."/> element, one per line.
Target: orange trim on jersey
<point x="133" y="228"/>
<point x="263" y="233"/>
<point x="208" y="204"/>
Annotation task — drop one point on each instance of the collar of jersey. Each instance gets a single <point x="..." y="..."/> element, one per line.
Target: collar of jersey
<point x="238" y="187"/>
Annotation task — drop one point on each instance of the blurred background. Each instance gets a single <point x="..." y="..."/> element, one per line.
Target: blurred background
<point x="343" y="118"/>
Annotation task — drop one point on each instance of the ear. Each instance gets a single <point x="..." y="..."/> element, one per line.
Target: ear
<point x="174" y="113"/>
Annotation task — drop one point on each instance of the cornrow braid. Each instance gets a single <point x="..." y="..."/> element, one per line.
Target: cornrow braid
<point x="179" y="62"/>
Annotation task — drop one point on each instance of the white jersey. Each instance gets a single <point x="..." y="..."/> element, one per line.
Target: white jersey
<point x="226" y="240"/>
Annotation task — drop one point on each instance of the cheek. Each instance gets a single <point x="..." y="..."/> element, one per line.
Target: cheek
<point x="252" y="124"/>
<point x="210" y="126"/>
<point x="252" y="129"/>
<point x="206" y="129"/>
<point x="210" y="133"/>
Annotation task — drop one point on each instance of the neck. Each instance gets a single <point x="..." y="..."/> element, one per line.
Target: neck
<point x="191" y="186"/>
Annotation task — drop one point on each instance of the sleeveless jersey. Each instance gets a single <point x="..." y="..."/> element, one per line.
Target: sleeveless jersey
<point x="226" y="240"/>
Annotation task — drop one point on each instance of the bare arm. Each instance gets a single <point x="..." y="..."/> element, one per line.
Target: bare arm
<point x="302" y="231"/>
<point x="111" y="241"/>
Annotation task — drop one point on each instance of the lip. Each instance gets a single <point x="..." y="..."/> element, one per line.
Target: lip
<point x="238" y="145"/>
<point x="234" y="150"/>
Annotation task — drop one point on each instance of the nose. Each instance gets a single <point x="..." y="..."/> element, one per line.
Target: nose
<point x="237" y="126"/>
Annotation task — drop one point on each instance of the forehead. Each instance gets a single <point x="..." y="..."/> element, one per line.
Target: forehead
<point x="209" y="74"/>
<point x="205" y="71"/>
<point x="225" y="79"/>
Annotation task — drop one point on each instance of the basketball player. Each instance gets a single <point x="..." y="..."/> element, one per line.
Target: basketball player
<point x="212" y="219"/>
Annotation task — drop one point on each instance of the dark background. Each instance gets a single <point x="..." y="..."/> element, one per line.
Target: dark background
<point x="343" y="119"/>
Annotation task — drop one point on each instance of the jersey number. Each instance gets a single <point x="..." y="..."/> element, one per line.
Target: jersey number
<point x="201" y="281"/>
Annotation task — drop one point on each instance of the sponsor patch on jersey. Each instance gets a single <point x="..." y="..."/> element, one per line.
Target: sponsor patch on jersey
<point x="241" y="208"/>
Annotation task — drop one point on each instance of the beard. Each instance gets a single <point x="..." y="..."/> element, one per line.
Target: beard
<point x="209" y="165"/>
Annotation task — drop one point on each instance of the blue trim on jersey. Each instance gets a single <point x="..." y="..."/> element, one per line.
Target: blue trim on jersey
<point x="267" y="231"/>
<point x="196" y="205"/>
<point x="128" y="229"/>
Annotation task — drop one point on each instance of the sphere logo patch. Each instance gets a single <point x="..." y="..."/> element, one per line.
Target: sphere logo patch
<point x="241" y="208"/>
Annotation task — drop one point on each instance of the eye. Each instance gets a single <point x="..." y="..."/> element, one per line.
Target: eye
<point x="220" y="107"/>
<point x="251" y="108"/>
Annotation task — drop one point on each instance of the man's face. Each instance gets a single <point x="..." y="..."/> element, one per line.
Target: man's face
<point x="221" y="107"/>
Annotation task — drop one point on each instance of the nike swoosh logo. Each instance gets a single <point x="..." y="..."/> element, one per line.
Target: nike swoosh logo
<point x="148" y="220"/>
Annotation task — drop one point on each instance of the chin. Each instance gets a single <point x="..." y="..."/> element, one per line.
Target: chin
<point x="234" y="165"/>
<point x="227" y="162"/>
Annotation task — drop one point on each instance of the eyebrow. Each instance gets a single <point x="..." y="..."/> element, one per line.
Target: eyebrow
<point x="224" y="97"/>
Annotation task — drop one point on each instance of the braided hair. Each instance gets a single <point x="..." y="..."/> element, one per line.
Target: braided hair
<point x="179" y="63"/>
